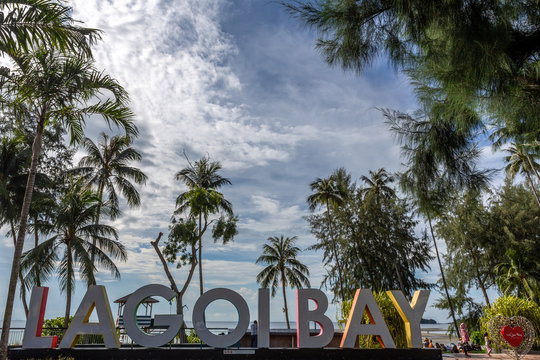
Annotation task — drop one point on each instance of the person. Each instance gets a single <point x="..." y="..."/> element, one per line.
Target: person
<point x="254" y="334"/>
<point x="426" y="342"/>
<point x="464" y="339"/>
<point x="488" y="344"/>
<point x="430" y="344"/>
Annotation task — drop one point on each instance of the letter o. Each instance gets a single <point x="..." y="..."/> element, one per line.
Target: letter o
<point x="220" y="341"/>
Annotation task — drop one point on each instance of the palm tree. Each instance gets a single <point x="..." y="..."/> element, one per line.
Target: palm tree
<point x="377" y="185"/>
<point x="328" y="193"/>
<point x="282" y="268"/>
<point x="513" y="277"/>
<point x="35" y="23"/>
<point x="56" y="89"/>
<point x="106" y="168"/>
<point x="202" y="199"/>
<point x="521" y="161"/>
<point x="73" y="235"/>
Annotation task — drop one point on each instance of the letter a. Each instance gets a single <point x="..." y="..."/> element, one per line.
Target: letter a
<point x="364" y="301"/>
<point x="95" y="297"/>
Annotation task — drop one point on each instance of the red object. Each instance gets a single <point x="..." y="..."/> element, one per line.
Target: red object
<point x="513" y="335"/>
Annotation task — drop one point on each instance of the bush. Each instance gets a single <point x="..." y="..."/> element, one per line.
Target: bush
<point x="193" y="338"/>
<point x="477" y="337"/>
<point x="509" y="306"/>
<point x="393" y="320"/>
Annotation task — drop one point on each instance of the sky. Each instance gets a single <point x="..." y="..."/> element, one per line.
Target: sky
<point x="241" y="82"/>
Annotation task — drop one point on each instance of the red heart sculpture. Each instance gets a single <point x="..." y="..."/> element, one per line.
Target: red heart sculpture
<point x="513" y="335"/>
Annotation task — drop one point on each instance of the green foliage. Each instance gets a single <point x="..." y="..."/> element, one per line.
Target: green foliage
<point x="375" y="238"/>
<point x="192" y="338"/>
<point x="225" y="229"/>
<point x="55" y="327"/>
<point x="509" y="306"/>
<point x="477" y="337"/>
<point x="393" y="321"/>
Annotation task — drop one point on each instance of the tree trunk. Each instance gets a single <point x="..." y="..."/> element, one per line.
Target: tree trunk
<point x="180" y="294"/>
<point x="69" y="287"/>
<point x="400" y="280"/>
<point x="286" y="309"/>
<point x="532" y="165"/>
<point x="12" y="289"/>
<point x="23" y="288"/>
<point x="532" y="187"/>
<point x="335" y="251"/>
<point x="94" y="240"/>
<point x="443" y="278"/>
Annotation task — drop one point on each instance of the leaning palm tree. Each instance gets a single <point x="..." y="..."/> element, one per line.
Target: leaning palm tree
<point x="328" y="193"/>
<point x="202" y="198"/>
<point x="282" y="268"/>
<point x="73" y="233"/>
<point x="520" y="161"/>
<point x="106" y="167"/>
<point x="62" y="90"/>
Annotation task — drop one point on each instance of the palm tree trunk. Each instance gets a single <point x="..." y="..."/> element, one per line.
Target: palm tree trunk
<point x="69" y="287"/>
<point x="335" y="251"/>
<point x="12" y="289"/>
<point x="94" y="240"/>
<point x="532" y="187"/>
<point x="443" y="278"/>
<point x="286" y="309"/>
<point x="532" y="165"/>
<point x="23" y="288"/>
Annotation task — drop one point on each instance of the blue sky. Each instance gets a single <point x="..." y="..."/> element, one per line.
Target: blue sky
<point x="241" y="82"/>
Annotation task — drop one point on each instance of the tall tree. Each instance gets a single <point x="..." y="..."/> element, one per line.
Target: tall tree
<point x="440" y="158"/>
<point x="283" y="267"/>
<point x="56" y="89"/>
<point x="107" y="168"/>
<point x="202" y="200"/>
<point x="68" y="249"/>
<point x="327" y="193"/>
<point x="473" y="251"/>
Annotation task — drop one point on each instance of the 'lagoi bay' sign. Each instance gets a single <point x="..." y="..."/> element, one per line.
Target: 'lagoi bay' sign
<point x="96" y="298"/>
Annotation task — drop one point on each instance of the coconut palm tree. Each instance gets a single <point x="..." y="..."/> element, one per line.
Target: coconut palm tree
<point x="520" y="161"/>
<point x="35" y="23"/>
<point x="56" y="89"/>
<point x="377" y="185"/>
<point x="72" y="236"/>
<point x="202" y="198"/>
<point x="106" y="167"/>
<point x="513" y="277"/>
<point x="328" y="193"/>
<point x="282" y="268"/>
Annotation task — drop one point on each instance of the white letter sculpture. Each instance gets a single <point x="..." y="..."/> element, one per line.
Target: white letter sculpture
<point x="173" y="322"/>
<point x="411" y="314"/>
<point x="304" y="316"/>
<point x="95" y="297"/>
<point x="32" y="332"/>
<point x="364" y="301"/>
<point x="220" y="341"/>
